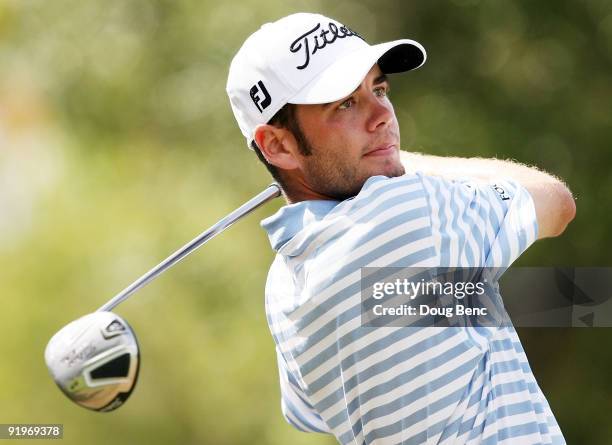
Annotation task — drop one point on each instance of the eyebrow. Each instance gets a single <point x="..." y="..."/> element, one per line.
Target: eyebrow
<point x="380" y="79"/>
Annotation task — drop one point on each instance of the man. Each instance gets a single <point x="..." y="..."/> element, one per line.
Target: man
<point x="310" y="96"/>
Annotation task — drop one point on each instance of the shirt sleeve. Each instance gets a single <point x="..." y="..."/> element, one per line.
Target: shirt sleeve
<point x="476" y="224"/>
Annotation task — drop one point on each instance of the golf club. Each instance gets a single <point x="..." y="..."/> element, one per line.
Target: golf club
<point x="95" y="359"/>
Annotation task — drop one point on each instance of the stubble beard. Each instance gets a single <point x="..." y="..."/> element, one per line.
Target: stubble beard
<point x="339" y="179"/>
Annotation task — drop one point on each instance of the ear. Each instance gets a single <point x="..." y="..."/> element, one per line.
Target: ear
<point x="278" y="145"/>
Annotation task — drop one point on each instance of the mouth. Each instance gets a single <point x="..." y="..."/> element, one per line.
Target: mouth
<point x="382" y="150"/>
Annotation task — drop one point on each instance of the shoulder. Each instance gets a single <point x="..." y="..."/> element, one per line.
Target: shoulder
<point x="381" y="191"/>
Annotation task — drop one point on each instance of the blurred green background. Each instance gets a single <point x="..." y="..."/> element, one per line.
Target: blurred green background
<point x="117" y="145"/>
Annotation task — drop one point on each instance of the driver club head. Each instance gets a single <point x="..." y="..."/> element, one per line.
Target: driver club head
<point x="95" y="360"/>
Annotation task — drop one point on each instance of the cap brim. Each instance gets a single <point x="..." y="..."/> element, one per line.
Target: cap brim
<point x="343" y="76"/>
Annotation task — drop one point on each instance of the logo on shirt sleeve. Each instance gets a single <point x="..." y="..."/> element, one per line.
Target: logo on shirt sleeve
<point x="501" y="192"/>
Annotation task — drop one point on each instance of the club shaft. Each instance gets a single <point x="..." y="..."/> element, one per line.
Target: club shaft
<point x="268" y="194"/>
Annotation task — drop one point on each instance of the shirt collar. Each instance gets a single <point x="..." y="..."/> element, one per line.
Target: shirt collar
<point x="291" y="219"/>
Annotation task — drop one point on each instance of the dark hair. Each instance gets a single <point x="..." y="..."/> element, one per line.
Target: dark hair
<point x="284" y="118"/>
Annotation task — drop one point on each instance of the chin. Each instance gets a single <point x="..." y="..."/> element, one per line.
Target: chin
<point x="391" y="171"/>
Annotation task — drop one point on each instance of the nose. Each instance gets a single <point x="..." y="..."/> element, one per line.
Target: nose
<point x="381" y="113"/>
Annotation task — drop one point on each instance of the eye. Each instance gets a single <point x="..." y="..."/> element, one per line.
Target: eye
<point x="348" y="103"/>
<point x="381" y="91"/>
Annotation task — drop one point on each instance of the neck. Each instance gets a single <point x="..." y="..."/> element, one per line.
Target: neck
<point x="293" y="198"/>
<point x="297" y="190"/>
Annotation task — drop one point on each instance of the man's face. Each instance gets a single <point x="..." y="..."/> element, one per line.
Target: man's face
<point x="350" y="140"/>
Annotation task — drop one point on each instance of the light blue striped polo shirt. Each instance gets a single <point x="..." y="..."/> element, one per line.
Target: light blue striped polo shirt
<point x="407" y="385"/>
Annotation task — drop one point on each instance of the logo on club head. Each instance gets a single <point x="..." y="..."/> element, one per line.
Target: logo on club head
<point x="260" y="103"/>
<point x="113" y="329"/>
<point x="75" y="356"/>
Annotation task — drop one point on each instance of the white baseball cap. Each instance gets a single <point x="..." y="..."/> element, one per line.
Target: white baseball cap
<point x="306" y="59"/>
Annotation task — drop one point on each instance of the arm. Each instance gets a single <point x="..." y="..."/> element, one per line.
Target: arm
<point x="554" y="203"/>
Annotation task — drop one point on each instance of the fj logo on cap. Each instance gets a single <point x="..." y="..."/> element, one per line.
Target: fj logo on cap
<point x="319" y="40"/>
<point x="260" y="103"/>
